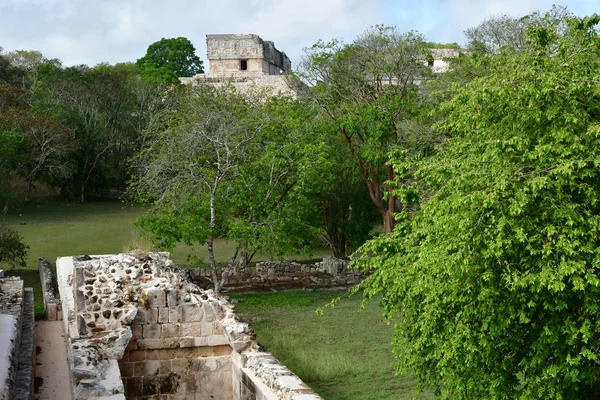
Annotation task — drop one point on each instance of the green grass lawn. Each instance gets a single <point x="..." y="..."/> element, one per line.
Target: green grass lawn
<point x="55" y="229"/>
<point x="343" y="355"/>
<point x="63" y="229"/>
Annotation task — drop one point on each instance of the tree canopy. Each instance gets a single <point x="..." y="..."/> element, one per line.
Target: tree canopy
<point x="368" y="89"/>
<point x="177" y="55"/>
<point x="496" y="271"/>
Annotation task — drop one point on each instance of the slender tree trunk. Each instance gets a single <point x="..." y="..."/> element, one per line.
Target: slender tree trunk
<point x="82" y="195"/>
<point x="210" y="244"/>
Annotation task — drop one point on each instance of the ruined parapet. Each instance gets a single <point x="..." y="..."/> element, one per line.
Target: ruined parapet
<point x="330" y="272"/>
<point x="52" y="305"/>
<point x="137" y="328"/>
<point x="17" y="357"/>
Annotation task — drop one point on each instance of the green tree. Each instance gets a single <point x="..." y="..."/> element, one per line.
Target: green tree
<point x="369" y="90"/>
<point x="188" y="162"/>
<point x="12" y="249"/>
<point x="177" y="55"/>
<point x="496" y="274"/>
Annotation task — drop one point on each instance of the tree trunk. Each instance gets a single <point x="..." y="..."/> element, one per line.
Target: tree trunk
<point x="82" y="195"/>
<point x="210" y="244"/>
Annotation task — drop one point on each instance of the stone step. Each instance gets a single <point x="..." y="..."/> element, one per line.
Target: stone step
<point x="24" y="386"/>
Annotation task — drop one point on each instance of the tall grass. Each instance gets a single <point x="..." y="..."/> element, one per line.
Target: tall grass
<point x="343" y="355"/>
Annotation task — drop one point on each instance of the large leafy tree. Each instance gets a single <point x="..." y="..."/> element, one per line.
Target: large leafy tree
<point x="226" y="164"/>
<point x="368" y="89"/>
<point x="176" y="55"/>
<point x="496" y="274"/>
<point x="188" y="162"/>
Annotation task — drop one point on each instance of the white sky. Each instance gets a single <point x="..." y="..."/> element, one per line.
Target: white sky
<point x="94" y="31"/>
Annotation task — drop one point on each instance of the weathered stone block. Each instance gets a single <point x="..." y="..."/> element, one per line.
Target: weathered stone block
<point x="192" y="312"/>
<point x="156" y="297"/>
<point x="207" y="329"/>
<point x="205" y="351"/>
<point x="132" y="345"/>
<point x="134" y="387"/>
<point x="126" y="369"/>
<point x="152" y="367"/>
<point x="141" y="317"/>
<point x="137" y="355"/>
<point x="187" y="342"/>
<point x="174" y="314"/>
<point x="151" y="344"/>
<point x="163" y="315"/>
<point x="139" y="368"/>
<point x="191" y="329"/>
<point x="163" y="354"/>
<point x="51" y="311"/>
<point x="179" y="366"/>
<point x="153" y="315"/>
<point x="220" y="351"/>
<point x="209" y="315"/>
<point x="172" y="298"/>
<point x="136" y="331"/>
<point x="170" y="330"/>
<point x="217" y="340"/>
<point x="151" y="331"/>
<point x="165" y="367"/>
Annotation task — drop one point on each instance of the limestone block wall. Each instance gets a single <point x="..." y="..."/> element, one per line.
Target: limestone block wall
<point x="222" y="50"/>
<point x="51" y="303"/>
<point x="17" y="356"/>
<point x="244" y="82"/>
<point x="137" y="328"/>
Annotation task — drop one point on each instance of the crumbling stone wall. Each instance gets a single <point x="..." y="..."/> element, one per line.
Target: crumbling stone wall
<point x="17" y="356"/>
<point x="330" y="272"/>
<point x="138" y="329"/>
<point x="51" y="304"/>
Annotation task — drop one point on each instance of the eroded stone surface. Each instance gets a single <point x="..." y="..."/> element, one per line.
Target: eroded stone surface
<point x="137" y="327"/>
<point x="16" y="339"/>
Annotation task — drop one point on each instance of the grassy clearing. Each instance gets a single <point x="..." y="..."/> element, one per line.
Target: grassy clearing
<point x="343" y="355"/>
<point x="61" y="229"/>
<point x="54" y="230"/>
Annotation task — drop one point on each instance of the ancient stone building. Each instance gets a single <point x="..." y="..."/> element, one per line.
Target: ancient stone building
<point x="245" y="60"/>
<point x="247" y="53"/>
<point x="438" y="62"/>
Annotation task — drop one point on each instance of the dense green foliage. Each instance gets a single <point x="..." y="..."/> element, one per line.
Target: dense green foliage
<point x="496" y="272"/>
<point x="13" y="251"/>
<point x="369" y="91"/>
<point x="177" y="55"/>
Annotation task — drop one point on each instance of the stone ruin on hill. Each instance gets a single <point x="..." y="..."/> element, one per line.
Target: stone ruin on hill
<point x="137" y="328"/>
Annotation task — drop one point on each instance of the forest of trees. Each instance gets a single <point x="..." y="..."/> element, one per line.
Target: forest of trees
<point x="485" y="181"/>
